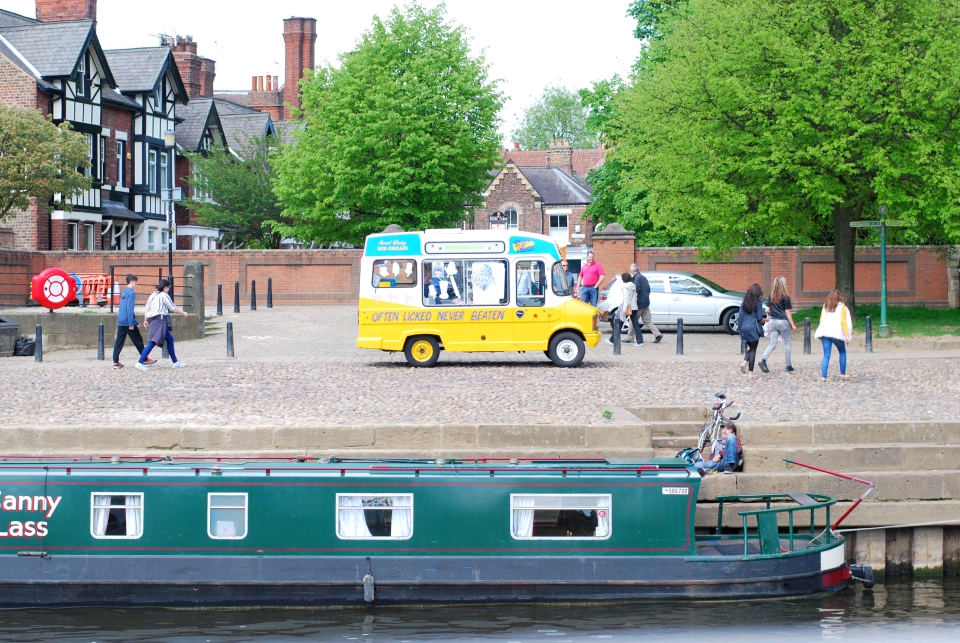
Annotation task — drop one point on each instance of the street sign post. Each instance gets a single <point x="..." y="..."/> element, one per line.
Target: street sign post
<point x="883" y="224"/>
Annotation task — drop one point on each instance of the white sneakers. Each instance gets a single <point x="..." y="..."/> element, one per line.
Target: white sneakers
<point x="141" y="367"/>
<point x="178" y="365"/>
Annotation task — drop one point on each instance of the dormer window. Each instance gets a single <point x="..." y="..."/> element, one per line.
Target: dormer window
<point x="83" y="77"/>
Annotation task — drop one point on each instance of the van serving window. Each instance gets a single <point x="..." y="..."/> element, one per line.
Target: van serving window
<point x="394" y="273"/>
<point x="364" y="516"/>
<point x="560" y="516"/>
<point x="531" y="283"/>
<point x="465" y="282"/>
<point x="227" y="515"/>
<point x="116" y="515"/>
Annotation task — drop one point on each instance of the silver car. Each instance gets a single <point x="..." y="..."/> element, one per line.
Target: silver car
<point x="698" y="301"/>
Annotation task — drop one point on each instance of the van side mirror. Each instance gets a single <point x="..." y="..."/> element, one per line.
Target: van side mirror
<point x="706" y="292"/>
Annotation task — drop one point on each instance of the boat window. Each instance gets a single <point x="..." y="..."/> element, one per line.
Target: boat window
<point x="394" y="273"/>
<point x="374" y="516"/>
<point x="531" y="282"/>
<point x="560" y="516"/>
<point x="459" y="282"/>
<point x="116" y="515"/>
<point x="227" y="515"/>
<point x="561" y="286"/>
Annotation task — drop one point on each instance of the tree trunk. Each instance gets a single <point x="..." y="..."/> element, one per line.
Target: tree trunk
<point x="844" y="251"/>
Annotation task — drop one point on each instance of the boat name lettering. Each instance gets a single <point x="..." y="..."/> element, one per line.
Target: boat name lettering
<point x="31" y="503"/>
<point x="676" y="491"/>
<point x="385" y="317"/>
<point x="418" y="316"/>
<point x="449" y="315"/>
<point x="486" y="315"/>
<point x="29" y="529"/>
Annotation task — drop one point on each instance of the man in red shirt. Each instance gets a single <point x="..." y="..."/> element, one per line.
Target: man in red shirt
<point x="591" y="276"/>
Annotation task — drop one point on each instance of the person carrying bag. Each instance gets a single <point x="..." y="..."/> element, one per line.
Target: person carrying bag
<point x="835" y="329"/>
<point x="159" y="324"/>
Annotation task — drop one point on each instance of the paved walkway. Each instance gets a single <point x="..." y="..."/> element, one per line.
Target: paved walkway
<point x="298" y="365"/>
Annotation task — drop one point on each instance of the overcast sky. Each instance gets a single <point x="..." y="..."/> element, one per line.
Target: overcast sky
<point x="529" y="43"/>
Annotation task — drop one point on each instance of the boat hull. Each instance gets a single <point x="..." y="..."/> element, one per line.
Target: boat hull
<point x="133" y="580"/>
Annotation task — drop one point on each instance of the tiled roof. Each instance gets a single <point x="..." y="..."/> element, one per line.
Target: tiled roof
<point x="10" y="19"/>
<point x="197" y="115"/>
<point x="119" y="99"/>
<point x="117" y="210"/>
<point x="243" y="129"/>
<point x="237" y="97"/>
<point x="229" y="105"/>
<point x="285" y="130"/>
<point x="556" y="186"/>
<point x="54" y="48"/>
<point x="137" y="70"/>
<point x="583" y="160"/>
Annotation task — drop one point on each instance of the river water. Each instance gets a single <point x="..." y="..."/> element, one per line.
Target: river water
<point x="897" y="610"/>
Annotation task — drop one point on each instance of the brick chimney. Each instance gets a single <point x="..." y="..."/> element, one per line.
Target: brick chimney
<point x="299" y="39"/>
<point x="64" y="10"/>
<point x="208" y="70"/>
<point x="560" y="155"/>
<point x="194" y="70"/>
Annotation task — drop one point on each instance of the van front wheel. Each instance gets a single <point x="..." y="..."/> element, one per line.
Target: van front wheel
<point x="423" y="350"/>
<point x="566" y="349"/>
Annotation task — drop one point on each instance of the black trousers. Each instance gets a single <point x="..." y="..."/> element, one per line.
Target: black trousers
<point x="122" y="332"/>
<point x="750" y="354"/>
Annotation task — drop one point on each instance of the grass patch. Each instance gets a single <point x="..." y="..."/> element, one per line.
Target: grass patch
<point x="607" y="415"/>
<point x="904" y="321"/>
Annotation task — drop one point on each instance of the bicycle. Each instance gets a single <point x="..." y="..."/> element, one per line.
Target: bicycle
<point x="712" y="429"/>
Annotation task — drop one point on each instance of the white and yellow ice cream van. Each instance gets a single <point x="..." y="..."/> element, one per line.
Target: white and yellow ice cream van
<point x="470" y="291"/>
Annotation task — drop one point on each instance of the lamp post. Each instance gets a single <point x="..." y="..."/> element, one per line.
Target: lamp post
<point x="170" y="141"/>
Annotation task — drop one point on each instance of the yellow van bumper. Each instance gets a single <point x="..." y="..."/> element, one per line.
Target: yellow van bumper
<point x="369" y="342"/>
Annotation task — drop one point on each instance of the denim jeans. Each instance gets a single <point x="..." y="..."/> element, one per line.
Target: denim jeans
<point x="729" y="452"/>
<point x="150" y="346"/>
<point x="778" y="328"/>
<point x="828" y="344"/>
<point x="588" y="294"/>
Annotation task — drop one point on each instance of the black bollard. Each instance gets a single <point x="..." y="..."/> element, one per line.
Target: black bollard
<point x="269" y="292"/>
<point x="229" y="339"/>
<point x="100" y="343"/>
<point x="219" y="299"/>
<point x="253" y="294"/>
<point x="869" y="340"/>
<point x="680" y="336"/>
<point x="38" y="354"/>
<point x="615" y="326"/>
<point x="806" y="336"/>
<point x="236" y="296"/>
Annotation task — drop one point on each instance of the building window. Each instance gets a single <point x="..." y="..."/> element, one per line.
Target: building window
<point x="83" y="76"/>
<point x="88" y="243"/>
<point x="103" y="159"/>
<point x="394" y="273"/>
<point x="465" y="283"/>
<point x="121" y="158"/>
<point x="227" y="515"/>
<point x="91" y="156"/>
<point x="164" y="171"/>
<point x="163" y="238"/>
<point x="116" y="515"/>
<point x="556" y="516"/>
<point x="374" y="516"/>
<point x="151" y="239"/>
<point x="513" y="219"/>
<point x="73" y="236"/>
<point x="559" y="228"/>
<point x="152" y="171"/>
<point x="531" y="283"/>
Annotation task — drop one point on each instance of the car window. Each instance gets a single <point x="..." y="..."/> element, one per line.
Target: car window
<point x="711" y="284"/>
<point x="656" y="285"/>
<point x="685" y="285"/>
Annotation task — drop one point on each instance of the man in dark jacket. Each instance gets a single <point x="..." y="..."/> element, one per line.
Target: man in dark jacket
<point x="127" y="322"/>
<point x="643" y="303"/>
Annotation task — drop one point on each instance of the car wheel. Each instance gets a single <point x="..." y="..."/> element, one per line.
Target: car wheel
<point x="422" y="350"/>
<point x="731" y="321"/>
<point x="566" y="349"/>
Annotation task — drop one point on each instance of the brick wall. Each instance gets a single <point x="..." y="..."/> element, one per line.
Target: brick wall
<point x="512" y="191"/>
<point x="17" y="88"/>
<point x="915" y="274"/>
<point x="60" y="10"/>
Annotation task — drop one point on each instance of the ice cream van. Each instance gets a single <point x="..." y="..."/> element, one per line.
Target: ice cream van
<point x="470" y="291"/>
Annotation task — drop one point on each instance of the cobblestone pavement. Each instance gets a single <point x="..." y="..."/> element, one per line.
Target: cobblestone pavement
<point x="299" y="365"/>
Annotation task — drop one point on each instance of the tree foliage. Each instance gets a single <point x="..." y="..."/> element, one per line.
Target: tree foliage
<point x="781" y="121"/>
<point x="558" y="113"/>
<point x="236" y="195"/>
<point x="403" y="131"/>
<point x="653" y="17"/>
<point x="38" y="159"/>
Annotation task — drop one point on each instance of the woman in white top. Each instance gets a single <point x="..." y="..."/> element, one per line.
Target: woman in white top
<point x="157" y="321"/>
<point x="834" y="330"/>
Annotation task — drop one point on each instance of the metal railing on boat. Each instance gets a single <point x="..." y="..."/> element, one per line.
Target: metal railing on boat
<point x="768" y="528"/>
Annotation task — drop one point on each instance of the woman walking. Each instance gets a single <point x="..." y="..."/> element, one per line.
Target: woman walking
<point x="627" y="311"/>
<point x="158" y="323"/>
<point x="750" y="324"/>
<point x="834" y="330"/>
<point x="781" y="322"/>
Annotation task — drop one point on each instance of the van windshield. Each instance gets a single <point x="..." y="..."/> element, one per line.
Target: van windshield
<point x="561" y="286"/>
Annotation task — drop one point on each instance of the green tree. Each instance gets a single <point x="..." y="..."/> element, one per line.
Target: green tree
<point x="403" y="131"/>
<point x="600" y="103"/>
<point x="557" y="114"/>
<point x="236" y="195"/>
<point x="652" y="17"/>
<point x="39" y="160"/>
<point x="782" y="121"/>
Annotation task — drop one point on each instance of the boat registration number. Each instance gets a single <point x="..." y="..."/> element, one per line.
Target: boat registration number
<point x="676" y="491"/>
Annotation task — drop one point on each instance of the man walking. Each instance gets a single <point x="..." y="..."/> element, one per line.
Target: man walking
<point x="643" y="305"/>
<point x="127" y="322"/>
<point x="591" y="276"/>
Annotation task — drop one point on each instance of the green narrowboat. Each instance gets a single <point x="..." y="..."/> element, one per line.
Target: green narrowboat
<point x="134" y="531"/>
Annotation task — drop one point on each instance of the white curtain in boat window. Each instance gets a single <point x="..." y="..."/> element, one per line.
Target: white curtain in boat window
<point x="101" y="514"/>
<point x="603" y="517"/>
<point x="523" y="518"/>
<point x="133" y="515"/>
<point x="401" y="525"/>
<point x="131" y="507"/>
<point x="351" y="523"/>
